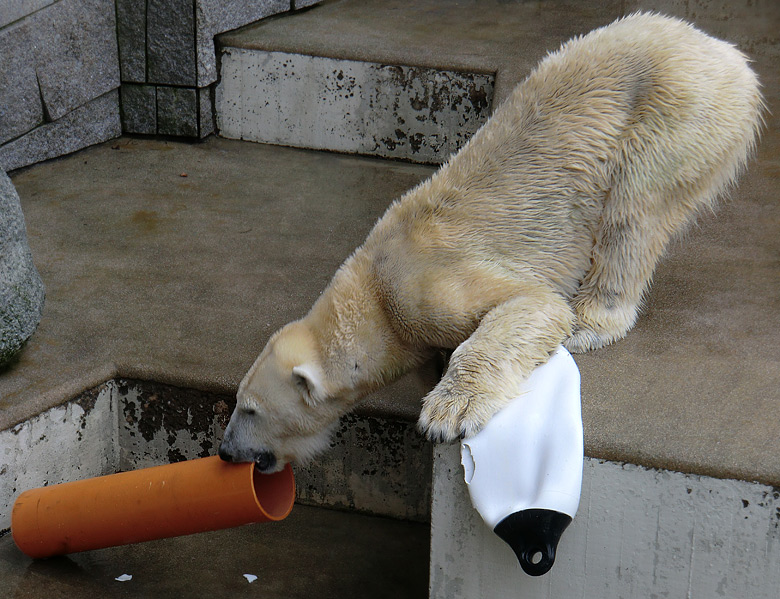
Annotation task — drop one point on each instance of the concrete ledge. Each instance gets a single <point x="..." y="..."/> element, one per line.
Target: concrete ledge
<point x="393" y="111"/>
<point x="376" y="466"/>
<point x="638" y="533"/>
<point x="157" y="276"/>
<point x="507" y="38"/>
<point x="174" y="262"/>
<point x="69" y="442"/>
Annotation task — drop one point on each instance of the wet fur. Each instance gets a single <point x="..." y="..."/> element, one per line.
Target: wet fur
<point x="544" y="229"/>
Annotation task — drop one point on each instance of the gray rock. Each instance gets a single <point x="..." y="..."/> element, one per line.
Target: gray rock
<point x="139" y="108"/>
<point x="131" y="34"/>
<point x="20" y="99"/>
<point x="21" y="288"/>
<point x="13" y="10"/>
<point x="177" y="111"/>
<point x="75" y="52"/>
<point x="95" y="122"/>
<point x="170" y="30"/>
<point x="218" y="16"/>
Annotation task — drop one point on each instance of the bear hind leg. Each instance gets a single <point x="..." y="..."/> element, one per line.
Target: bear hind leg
<point x="629" y="245"/>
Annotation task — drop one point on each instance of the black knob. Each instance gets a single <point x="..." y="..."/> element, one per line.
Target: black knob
<point x="533" y="535"/>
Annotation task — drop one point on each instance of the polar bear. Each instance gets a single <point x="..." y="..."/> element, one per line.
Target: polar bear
<point x="545" y="228"/>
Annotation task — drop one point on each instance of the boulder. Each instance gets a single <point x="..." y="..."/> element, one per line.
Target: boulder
<point x="21" y="288"/>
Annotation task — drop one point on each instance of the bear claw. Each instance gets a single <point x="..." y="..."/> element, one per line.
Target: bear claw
<point x="448" y="420"/>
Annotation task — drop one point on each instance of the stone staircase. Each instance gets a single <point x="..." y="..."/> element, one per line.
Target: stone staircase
<point x="411" y="81"/>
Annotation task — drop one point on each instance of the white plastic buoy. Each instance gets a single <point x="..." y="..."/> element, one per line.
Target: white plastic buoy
<point x="524" y="468"/>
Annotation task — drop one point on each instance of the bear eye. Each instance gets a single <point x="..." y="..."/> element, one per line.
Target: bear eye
<point x="248" y="411"/>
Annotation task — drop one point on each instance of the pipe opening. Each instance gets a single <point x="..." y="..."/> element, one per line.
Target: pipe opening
<point x="274" y="493"/>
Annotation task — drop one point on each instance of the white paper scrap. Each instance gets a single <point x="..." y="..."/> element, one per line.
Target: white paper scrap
<point x="124" y="577"/>
<point x="250" y="578"/>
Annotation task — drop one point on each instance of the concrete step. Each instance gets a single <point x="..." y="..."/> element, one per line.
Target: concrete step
<point x="639" y="533"/>
<point x="409" y="80"/>
<point x="154" y="276"/>
<point x="387" y="78"/>
<point x="393" y="111"/>
<point x="174" y="262"/>
<point x="127" y="304"/>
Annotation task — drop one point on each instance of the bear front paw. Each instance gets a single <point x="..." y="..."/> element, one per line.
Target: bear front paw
<point x="448" y="416"/>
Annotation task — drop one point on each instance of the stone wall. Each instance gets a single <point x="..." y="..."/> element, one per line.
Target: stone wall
<point x="59" y="74"/>
<point x="78" y="72"/>
<point x="168" y="63"/>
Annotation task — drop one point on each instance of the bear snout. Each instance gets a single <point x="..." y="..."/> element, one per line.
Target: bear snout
<point x="224" y="453"/>
<point x="264" y="461"/>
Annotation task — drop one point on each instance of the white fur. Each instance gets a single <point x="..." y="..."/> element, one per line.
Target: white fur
<point x="545" y="228"/>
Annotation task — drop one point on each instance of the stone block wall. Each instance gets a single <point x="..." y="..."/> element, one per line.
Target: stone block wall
<point x="59" y="75"/>
<point x="168" y="62"/>
<point x="74" y="73"/>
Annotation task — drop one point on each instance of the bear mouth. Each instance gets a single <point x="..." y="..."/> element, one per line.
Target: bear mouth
<point x="265" y="462"/>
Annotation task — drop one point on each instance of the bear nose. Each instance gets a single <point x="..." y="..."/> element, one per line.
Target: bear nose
<point x="224" y="453"/>
<point x="264" y="461"/>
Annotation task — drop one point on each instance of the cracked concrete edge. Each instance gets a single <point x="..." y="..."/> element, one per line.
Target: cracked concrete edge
<point x="376" y="466"/>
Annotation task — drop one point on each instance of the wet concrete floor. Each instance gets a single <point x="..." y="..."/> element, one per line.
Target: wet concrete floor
<point x="315" y="552"/>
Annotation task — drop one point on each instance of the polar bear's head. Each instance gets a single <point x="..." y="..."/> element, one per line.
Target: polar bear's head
<point x="285" y="409"/>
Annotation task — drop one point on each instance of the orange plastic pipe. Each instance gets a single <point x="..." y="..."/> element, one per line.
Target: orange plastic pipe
<point x="151" y="503"/>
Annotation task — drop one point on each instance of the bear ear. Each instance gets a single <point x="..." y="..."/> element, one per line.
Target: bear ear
<point x="308" y="378"/>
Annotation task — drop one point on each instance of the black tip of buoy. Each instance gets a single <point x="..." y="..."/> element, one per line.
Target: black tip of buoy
<point x="533" y="535"/>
